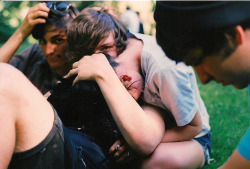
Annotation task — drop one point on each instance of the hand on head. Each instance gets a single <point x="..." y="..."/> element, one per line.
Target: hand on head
<point x="36" y="15"/>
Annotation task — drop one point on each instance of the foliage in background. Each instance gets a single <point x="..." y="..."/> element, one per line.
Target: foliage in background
<point x="12" y="14"/>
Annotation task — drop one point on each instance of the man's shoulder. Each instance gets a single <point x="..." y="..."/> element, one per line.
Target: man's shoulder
<point x="32" y="52"/>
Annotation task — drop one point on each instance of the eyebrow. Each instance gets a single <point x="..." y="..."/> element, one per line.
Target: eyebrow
<point x="108" y="44"/>
<point x="58" y="35"/>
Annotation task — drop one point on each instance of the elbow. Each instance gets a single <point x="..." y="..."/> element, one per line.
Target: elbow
<point x="145" y="147"/>
<point x="198" y="129"/>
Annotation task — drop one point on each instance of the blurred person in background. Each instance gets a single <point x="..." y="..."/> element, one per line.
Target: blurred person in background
<point x="131" y="20"/>
<point x="141" y="29"/>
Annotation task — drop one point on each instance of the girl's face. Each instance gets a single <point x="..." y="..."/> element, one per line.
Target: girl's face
<point x="107" y="46"/>
<point x="130" y="77"/>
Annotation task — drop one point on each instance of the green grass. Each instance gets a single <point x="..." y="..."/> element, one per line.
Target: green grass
<point x="228" y="109"/>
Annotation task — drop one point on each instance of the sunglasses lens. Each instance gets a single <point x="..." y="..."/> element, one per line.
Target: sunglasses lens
<point x="50" y="4"/>
<point x="63" y="6"/>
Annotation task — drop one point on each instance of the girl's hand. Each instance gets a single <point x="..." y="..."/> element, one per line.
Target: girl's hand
<point x="90" y="68"/>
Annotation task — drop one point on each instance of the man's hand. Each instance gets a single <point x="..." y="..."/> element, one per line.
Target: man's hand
<point x="121" y="151"/>
<point x="36" y="15"/>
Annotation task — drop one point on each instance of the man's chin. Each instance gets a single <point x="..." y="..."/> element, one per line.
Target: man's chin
<point x="239" y="86"/>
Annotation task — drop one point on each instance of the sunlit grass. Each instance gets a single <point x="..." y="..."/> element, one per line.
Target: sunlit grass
<point x="229" y="119"/>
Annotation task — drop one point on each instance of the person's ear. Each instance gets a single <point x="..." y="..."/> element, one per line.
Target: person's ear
<point x="238" y="38"/>
<point x="240" y="34"/>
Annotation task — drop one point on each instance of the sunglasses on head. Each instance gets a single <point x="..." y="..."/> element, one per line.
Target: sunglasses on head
<point x="59" y="6"/>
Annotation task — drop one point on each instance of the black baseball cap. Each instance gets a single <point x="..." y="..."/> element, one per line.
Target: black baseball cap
<point x="205" y="15"/>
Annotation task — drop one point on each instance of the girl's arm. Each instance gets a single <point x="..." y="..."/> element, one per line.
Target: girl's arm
<point x="143" y="129"/>
<point x="184" y="133"/>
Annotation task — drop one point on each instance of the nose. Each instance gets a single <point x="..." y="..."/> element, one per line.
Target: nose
<point x="50" y="48"/>
<point x="203" y="76"/>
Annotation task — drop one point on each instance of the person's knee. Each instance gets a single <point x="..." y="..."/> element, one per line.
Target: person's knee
<point x="4" y="71"/>
<point x="160" y="160"/>
<point x="8" y="74"/>
<point x="163" y="158"/>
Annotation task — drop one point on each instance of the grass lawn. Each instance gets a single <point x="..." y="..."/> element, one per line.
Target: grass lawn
<point x="229" y="119"/>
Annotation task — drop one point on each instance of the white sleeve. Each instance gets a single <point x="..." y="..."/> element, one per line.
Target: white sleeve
<point x="176" y="93"/>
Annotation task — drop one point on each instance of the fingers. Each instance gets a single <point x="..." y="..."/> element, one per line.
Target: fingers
<point x="40" y="7"/>
<point x="114" y="146"/>
<point x="122" y="148"/>
<point x="121" y="151"/>
<point x="72" y="72"/>
<point x="46" y="95"/>
<point x="123" y="158"/>
<point x="86" y="68"/>
<point x="75" y="80"/>
<point x="75" y="65"/>
<point x="37" y="14"/>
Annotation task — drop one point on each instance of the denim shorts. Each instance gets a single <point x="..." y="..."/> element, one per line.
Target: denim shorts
<point x="48" y="154"/>
<point x="205" y="142"/>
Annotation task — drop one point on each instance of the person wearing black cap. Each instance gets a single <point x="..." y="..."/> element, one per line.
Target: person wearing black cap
<point x="214" y="38"/>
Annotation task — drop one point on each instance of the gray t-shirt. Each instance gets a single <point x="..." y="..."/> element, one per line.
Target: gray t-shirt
<point x="171" y="86"/>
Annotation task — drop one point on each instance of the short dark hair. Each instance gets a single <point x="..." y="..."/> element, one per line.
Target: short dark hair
<point x="59" y="19"/>
<point x="207" y="43"/>
<point x="91" y="26"/>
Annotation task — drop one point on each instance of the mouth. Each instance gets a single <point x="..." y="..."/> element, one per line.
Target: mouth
<point x="223" y="84"/>
<point x="53" y="58"/>
<point x="129" y="86"/>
